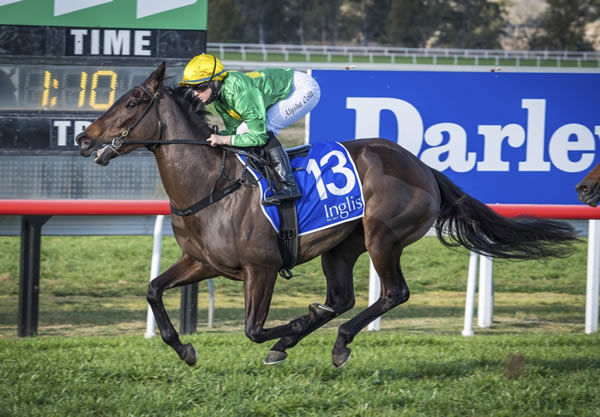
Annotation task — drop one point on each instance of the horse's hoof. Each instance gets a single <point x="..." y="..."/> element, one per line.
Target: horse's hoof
<point x="341" y="357"/>
<point x="275" y="356"/>
<point x="189" y="354"/>
<point x="322" y="307"/>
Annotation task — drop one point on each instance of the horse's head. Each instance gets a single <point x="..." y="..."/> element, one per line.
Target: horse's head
<point x="133" y="117"/>
<point x="588" y="189"/>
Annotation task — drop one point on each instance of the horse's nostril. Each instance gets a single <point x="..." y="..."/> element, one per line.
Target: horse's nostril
<point x="582" y="188"/>
<point x="82" y="138"/>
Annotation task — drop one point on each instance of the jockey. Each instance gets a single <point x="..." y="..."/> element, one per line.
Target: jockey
<point x="255" y="106"/>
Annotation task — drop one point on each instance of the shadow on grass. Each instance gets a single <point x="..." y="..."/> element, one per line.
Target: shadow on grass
<point x="455" y="369"/>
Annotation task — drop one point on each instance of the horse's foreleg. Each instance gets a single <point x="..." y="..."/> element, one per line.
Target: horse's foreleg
<point x="258" y="292"/>
<point x="185" y="271"/>
<point x="337" y="265"/>
<point x="394" y="291"/>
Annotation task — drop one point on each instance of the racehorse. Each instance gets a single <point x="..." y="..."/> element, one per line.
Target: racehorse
<point x="588" y="189"/>
<point x="403" y="199"/>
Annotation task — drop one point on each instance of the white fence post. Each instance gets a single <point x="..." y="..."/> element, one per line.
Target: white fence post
<point x="486" y="292"/>
<point x="470" y="297"/>
<point x="211" y="303"/>
<point x="374" y="293"/>
<point x="154" y="271"/>
<point x="593" y="273"/>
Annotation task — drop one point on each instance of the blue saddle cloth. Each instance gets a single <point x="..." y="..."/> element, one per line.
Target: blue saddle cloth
<point x="330" y="186"/>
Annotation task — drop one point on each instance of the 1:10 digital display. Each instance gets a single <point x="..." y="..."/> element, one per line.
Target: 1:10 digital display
<point x="65" y="87"/>
<point x="99" y="94"/>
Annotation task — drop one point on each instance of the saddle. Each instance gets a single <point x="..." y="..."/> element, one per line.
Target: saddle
<point x="288" y="230"/>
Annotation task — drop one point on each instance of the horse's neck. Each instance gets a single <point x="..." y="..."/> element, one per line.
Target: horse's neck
<point x="188" y="172"/>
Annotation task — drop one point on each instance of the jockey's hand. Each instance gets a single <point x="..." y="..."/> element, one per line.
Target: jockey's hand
<point x="218" y="140"/>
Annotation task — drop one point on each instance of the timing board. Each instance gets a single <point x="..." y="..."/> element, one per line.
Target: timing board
<point x="63" y="63"/>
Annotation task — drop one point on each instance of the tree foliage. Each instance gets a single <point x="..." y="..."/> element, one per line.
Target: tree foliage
<point x="472" y="24"/>
<point x="406" y="23"/>
<point x="225" y="22"/>
<point x="563" y="25"/>
<point x="414" y="23"/>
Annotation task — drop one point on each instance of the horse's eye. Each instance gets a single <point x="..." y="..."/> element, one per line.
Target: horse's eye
<point x="130" y="105"/>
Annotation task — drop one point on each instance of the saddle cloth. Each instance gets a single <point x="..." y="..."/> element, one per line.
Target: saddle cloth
<point x="330" y="186"/>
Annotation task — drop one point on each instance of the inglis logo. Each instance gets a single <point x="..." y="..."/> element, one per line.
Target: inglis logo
<point x="343" y="210"/>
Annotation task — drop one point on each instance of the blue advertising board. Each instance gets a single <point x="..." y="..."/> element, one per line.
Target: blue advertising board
<point x="512" y="138"/>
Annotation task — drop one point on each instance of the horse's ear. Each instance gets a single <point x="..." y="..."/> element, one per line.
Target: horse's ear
<point x="154" y="81"/>
<point x="160" y="71"/>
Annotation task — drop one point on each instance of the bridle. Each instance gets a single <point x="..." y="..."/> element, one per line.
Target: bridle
<point x="119" y="141"/>
<point x="215" y="195"/>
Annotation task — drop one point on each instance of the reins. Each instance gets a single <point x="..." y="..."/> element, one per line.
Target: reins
<point x="213" y="196"/>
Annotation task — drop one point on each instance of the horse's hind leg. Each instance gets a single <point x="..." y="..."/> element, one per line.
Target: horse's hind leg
<point x="185" y="271"/>
<point x="394" y="291"/>
<point x="337" y="265"/>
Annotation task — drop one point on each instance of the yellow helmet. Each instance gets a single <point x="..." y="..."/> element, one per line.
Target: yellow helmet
<point x="201" y="69"/>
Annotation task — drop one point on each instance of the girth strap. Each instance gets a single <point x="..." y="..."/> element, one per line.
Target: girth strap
<point x="208" y="200"/>
<point x="288" y="237"/>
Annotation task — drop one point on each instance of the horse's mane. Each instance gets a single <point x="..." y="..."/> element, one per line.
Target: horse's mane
<point x="189" y="104"/>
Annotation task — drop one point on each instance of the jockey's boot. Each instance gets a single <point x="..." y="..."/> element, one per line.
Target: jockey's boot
<point x="289" y="189"/>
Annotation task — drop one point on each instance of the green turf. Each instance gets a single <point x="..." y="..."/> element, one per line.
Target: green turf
<point x="389" y="374"/>
<point x="78" y="266"/>
<point x="90" y="358"/>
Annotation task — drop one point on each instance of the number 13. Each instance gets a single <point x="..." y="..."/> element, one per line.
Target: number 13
<point x="313" y="168"/>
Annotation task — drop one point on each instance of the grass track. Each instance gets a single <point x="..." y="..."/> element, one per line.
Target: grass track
<point x="389" y="375"/>
<point x="91" y="358"/>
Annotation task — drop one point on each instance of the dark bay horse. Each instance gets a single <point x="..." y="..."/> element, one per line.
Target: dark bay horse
<point x="403" y="197"/>
<point x="588" y="189"/>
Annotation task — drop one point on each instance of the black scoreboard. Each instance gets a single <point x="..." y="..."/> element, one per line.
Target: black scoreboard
<point x="55" y="80"/>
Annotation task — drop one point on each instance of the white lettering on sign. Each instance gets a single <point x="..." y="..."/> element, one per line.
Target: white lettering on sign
<point x="493" y="136"/>
<point x="116" y="42"/>
<point x="561" y="144"/>
<point x="95" y="46"/>
<point x="456" y="149"/>
<point x="63" y="130"/>
<point x="571" y="147"/>
<point x="536" y="122"/>
<point x="141" y="42"/>
<point x="368" y="109"/>
<point x="62" y="126"/>
<point x="113" y="42"/>
<point x="78" y="34"/>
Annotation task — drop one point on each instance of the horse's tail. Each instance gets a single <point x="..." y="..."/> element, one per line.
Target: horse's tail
<point x="465" y="221"/>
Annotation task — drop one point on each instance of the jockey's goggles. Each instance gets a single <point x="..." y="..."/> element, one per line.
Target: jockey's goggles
<point x="199" y="87"/>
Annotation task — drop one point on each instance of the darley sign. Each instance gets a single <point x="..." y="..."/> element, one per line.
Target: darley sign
<point x="520" y="138"/>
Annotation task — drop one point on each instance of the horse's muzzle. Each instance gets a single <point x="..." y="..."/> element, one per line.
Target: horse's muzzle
<point x="86" y="144"/>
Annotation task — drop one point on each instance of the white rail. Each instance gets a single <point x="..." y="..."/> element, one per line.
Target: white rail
<point x="393" y="55"/>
